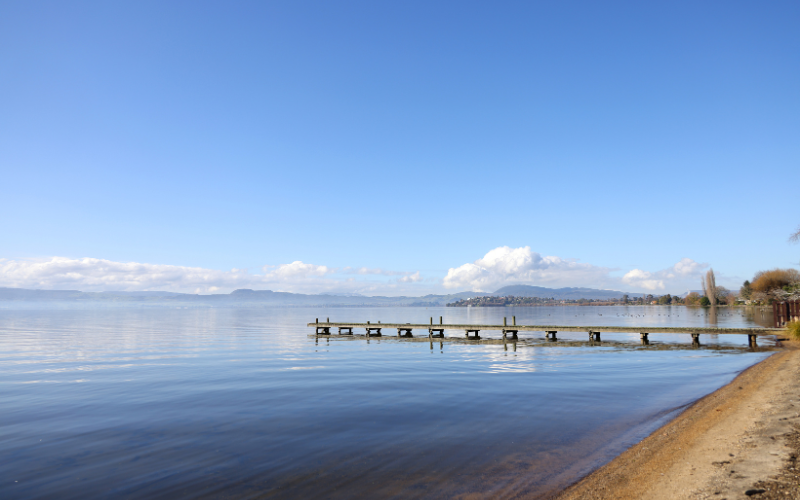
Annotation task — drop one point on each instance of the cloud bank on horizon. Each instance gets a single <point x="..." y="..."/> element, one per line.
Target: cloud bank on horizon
<point x="90" y="274"/>
<point x="499" y="267"/>
<point x="504" y="265"/>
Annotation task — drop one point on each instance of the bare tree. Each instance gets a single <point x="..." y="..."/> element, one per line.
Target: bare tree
<point x="724" y="296"/>
<point x="795" y="236"/>
<point x="710" y="286"/>
<point x="760" y="297"/>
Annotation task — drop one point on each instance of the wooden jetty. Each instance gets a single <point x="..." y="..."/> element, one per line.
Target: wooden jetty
<point x="511" y="332"/>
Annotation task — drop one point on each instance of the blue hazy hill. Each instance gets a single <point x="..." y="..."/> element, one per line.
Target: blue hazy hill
<point x="271" y="298"/>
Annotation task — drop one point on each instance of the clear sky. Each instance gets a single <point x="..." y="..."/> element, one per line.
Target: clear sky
<point x="397" y="147"/>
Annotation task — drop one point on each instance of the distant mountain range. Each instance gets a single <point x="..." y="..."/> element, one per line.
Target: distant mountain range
<point x="560" y="293"/>
<point x="270" y="298"/>
<point x="235" y="298"/>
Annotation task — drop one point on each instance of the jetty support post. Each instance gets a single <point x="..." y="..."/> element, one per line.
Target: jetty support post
<point x="751" y="340"/>
<point x="695" y="339"/>
<point x="644" y="338"/>
<point x="514" y="320"/>
<point x="321" y="330"/>
<point x="512" y="332"/>
<point x="594" y="336"/>
<point x="476" y="337"/>
<point x="551" y="335"/>
<point x="436" y="333"/>
<point x="371" y="328"/>
<point x="348" y="328"/>
<point x="406" y="334"/>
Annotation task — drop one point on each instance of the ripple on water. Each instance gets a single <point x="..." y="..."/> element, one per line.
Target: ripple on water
<point x="196" y="403"/>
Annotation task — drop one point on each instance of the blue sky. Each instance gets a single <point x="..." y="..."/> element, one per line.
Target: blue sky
<point x="380" y="147"/>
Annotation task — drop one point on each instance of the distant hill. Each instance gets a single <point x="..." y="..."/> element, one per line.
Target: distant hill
<point x="268" y="298"/>
<point x="560" y="293"/>
<point x="242" y="297"/>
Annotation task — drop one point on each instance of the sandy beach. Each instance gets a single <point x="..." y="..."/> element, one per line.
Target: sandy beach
<point x="741" y="441"/>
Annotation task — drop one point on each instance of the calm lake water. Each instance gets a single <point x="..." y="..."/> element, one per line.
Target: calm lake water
<point x="244" y="403"/>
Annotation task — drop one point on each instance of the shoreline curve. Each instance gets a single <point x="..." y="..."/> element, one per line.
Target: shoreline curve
<point x="740" y="441"/>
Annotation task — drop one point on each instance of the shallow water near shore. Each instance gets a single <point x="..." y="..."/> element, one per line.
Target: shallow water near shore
<point x="244" y="403"/>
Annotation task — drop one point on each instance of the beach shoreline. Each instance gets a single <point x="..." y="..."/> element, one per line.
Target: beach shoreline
<point x="730" y="444"/>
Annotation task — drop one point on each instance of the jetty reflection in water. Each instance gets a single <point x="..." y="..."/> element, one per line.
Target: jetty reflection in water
<point x="243" y="403"/>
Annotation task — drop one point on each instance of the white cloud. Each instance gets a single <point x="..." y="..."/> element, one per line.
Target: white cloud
<point x="642" y="279"/>
<point x="504" y="265"/>
<point x="499" y="267"/>
<point x="296" y="269"/>
<point x="99" y="274"/>
<point x="374" y="271"/>
<point x="688" y="267"/>
<point x="89" y="274"/>
<point x="681" y="274"/>
<point x="411" y="278"/>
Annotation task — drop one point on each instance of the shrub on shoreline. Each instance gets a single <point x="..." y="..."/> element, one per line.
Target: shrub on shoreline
<point x="794" y="329"/>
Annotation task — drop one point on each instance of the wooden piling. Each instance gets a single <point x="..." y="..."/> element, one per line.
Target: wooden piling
<point x="437" y="330"/>
<point x="476" y="337"/>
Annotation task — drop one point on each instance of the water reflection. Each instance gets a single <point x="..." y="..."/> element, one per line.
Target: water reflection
<point x="712" y="316"/>
<point x="243" y="403"/>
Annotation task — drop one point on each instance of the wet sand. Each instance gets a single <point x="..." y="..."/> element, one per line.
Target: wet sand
<point x="741" y="441"/>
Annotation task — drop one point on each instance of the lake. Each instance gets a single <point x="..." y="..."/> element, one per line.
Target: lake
<point x="248" y="403"/>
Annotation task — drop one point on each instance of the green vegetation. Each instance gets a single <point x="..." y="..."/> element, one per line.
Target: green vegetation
<point x="746" y="291"/>
<point x="693" y="299"/>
